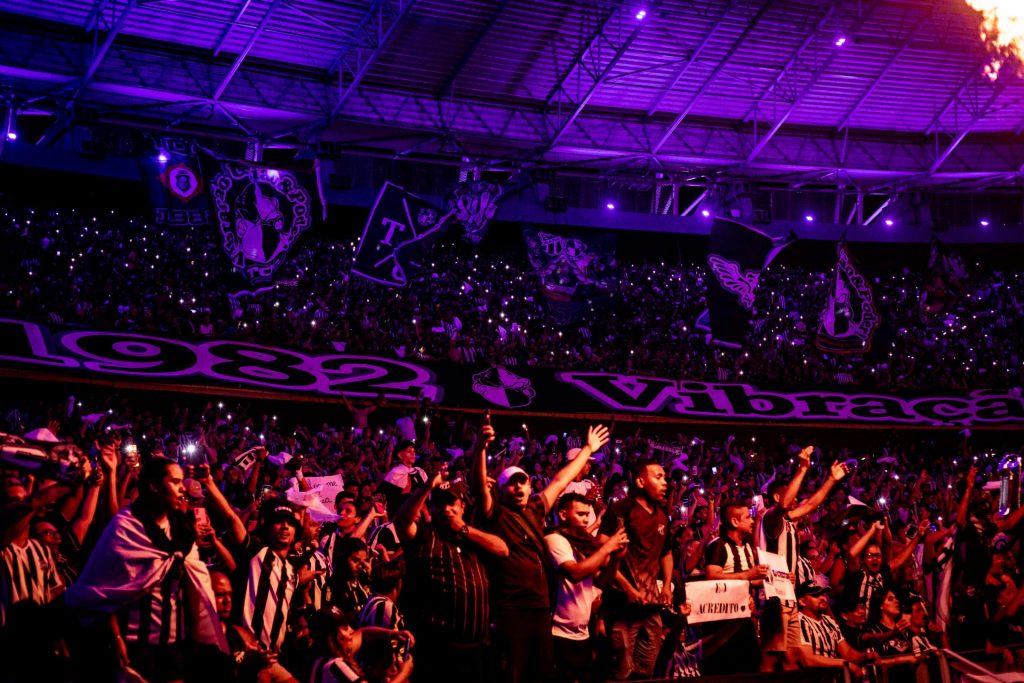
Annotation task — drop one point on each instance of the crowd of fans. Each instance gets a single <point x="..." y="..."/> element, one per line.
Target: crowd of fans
<point x="192" y="542"/>
<point x="114" y="271"/>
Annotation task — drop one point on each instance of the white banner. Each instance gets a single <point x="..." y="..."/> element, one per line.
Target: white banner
<point x="319" y="499"/>
<point x="779" y="582"/>
<point x="718" y="600"/>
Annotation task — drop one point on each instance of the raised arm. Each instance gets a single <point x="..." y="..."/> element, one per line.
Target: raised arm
<point x="906" y="553"/>
<point x="961" y="511"/>
<point x="478" y="473"/>
<point x="596" y="437"/>
<point x="217" y="501"/>
<point x="862" y="543"/>
<point x="407" y="515"/>
<point x="789" y="495"/>
<point x="805" y="508"/>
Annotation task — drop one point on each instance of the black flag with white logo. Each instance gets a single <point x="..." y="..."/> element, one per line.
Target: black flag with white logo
<point x="261" y="212"/>
<point x="474" y="204"/>
<point x="736" y="256"/>
<point x="175" y="183"/>
<point x="849" y="318"/>
<point x="573" y="270"/>
<point x="398" y="236"/>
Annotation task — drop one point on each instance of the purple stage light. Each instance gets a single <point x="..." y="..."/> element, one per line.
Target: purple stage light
<point x="888" y="222"/>
<point x="641" y="14"/>
<point x="984" y="222"/>
<point x="11" y="135"/>
<point x="840" y="41"/>
<point x="273" y="174"/>
<point x="610" y="205"/>
<point x="809" y="218"/>
<point x="162" y="157"/>
<point x="705" y="213"/>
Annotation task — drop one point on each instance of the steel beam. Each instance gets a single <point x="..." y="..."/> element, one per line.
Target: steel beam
<point x="697" y="52"/>
<point x="601" y="47"/>
<point x="468" y="53"/>
<point x="816" y="74"/>
<point x="681" y="116"/>
<point x="355" y="59"/>
<point x="105" y="48"/>
<point x="267" y="16"/>
<point x="904" y="47"/>
<point x="242" y="7"/>
<point x="978" y="116"/>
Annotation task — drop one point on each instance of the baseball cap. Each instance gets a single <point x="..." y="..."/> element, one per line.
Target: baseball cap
<point x="282" y="511"/>
<point x="193" y="489"/>
<point x="510" y="472"/>
<point x="809" y="588"/>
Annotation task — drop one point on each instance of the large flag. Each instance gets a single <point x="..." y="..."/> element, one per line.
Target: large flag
<point x="398" y="236"/>
<point x="736" y="256"/>
<point x="261" y="212"/>
<point x="175" y="183"/>
<point x="849" y="318"/>
<point x="473" y="204"/>
<point x="572" y="269"/>
<point x="946" y="275"/>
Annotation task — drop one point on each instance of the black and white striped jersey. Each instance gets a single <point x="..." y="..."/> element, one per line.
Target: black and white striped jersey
<point x="268" y="593"/>
<point x="27" y="572"/>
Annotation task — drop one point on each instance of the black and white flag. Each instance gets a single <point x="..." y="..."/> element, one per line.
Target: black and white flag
<point x="398" y="236"/>
<point x="261" y="212"/>
<point x="849" y="319"/>
<point x="175" y="183"/>
<point x="474" y="204"/>
<point x="736" y="256"/>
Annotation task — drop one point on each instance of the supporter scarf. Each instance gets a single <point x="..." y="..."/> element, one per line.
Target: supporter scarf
<point x="129" y="560"/>
<point x="582" y="543"/>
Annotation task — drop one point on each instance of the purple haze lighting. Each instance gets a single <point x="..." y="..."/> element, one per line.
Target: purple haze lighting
<point x="984" y="222"/>
<point x="162" y="157"/>
<point x="610" y="205"/>
<point x="705" y="213"/>
<point x="641" y="14"/>
<point x="888" y="222"/>
<point x="809" y="218"/>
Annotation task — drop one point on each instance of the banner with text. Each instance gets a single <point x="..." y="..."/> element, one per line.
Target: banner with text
<point x="147" y="361"/>
<point x="718" y="600"/>
<point x="175" y="184"/>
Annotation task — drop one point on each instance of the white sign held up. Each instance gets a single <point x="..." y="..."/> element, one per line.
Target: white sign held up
<point x="779" y="582"/>
<point x="718" y="600"/>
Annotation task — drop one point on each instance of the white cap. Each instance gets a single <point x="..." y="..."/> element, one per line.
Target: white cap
<point x="510" y="472"/>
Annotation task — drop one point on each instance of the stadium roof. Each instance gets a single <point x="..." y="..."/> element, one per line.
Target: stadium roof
<point x="869" y="94"/>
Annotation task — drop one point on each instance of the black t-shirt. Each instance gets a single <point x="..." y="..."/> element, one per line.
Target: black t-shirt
<point x="648" y="542"/>
<point x="520" y="581"/>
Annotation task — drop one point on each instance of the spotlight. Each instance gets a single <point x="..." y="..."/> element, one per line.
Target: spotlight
<point x="705" y="213"/>
<point x="809" y="218"/>
<point x="273" y="174"/>
<point x="162" y="157"/>
<point x="888" y="222"/>
<point x="11" y="133"/>
<point x="984" y="222"/>
<point x="840" y="41"/>
<point x="641" y="14"/>
<point x="610" y="205"/>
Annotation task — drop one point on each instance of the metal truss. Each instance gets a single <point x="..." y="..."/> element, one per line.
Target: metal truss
<point x="361" y="49"/>
<point x="616" y="31"/>
<point x="133" y="81"/>
<point x="802" y="71"/>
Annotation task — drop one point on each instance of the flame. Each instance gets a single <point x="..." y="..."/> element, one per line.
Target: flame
<point x="1002" y="30"/>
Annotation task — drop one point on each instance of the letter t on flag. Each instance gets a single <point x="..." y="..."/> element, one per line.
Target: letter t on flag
<point x="400" y="231"/>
